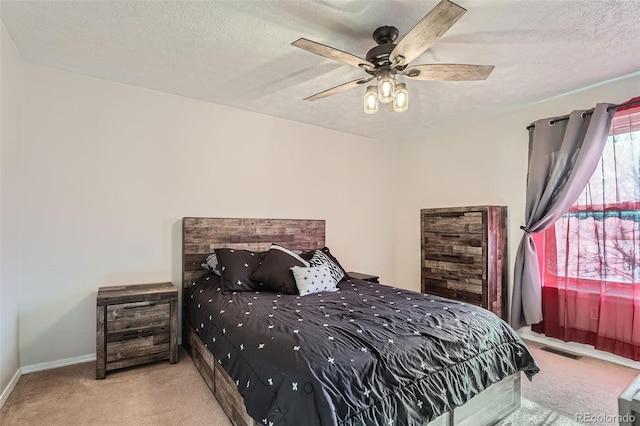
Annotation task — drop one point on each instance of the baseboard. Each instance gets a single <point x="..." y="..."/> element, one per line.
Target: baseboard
<point x="12" y="384"/>
<point x="577" y="348"/>
<point x="59" y="363"/>
<point x="63" y="362"/>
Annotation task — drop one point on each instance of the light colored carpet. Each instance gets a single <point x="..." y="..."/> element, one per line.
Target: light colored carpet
<point x="165" y="394"/>
<point x="154" y="394"/>
<point x="565" y="388"/>
<point x="531" y="413"/>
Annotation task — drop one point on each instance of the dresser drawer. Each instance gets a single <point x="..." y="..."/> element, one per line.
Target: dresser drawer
<point x="459" y="295"/>
<point x="452" y="286"/>
<point x="463" y="271"/>
<point x="446" y="280"/>
<point x="457" y="243"/>
<point x="463" y="249"/>
<point x="455" y="222"/>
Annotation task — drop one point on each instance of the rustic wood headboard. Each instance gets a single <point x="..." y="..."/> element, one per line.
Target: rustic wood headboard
<point x="200" y="235"/>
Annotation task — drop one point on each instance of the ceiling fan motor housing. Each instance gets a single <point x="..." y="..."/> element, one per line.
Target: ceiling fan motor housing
<point x="385" y="35"/>
<point x="379" y="55"/>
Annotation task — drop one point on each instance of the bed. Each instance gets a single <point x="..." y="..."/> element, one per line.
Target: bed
<point x="365" y="354"/>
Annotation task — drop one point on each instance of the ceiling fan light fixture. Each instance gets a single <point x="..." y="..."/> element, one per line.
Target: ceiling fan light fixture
<point x="388" y="59"/>
<point x="400" y="98"/>
<point x="386" y="86"/>
<point x="371" y="100"/>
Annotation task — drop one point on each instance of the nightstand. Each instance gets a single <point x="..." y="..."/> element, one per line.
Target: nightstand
<point x="363" y="277"/>
<point x="135" y="324"/>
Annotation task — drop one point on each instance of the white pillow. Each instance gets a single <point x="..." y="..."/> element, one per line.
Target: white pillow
<point x="314" y="279"/>
<point x="291" y="253"/>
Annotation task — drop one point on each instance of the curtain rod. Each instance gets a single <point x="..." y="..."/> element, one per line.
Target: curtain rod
<point x="566" y="117"/>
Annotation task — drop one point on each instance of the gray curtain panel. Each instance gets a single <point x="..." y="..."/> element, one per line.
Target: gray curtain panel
<point x="562" y="158"/>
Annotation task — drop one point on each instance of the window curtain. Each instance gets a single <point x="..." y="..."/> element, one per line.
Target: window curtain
<point x="563" y="154"/>
<point x="590" y="260"/>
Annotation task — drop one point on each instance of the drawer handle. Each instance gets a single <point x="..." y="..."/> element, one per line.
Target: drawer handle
<point x="450" y="235"/>
<point x="147" y="305"/>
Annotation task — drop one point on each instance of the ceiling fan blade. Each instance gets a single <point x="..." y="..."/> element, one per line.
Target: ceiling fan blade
<point x="332" y="53"/>
<point x="338" y="89"/>
<point x="449" y="72"/>
<point x="427" y="31"/>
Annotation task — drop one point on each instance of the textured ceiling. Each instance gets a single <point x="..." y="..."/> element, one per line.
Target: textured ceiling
<point x="238" y="53"/>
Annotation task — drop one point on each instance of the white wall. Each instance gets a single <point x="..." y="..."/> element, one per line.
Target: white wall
<point x="479" y="163"/>
<point x="11" y="96"/>
<point x="110" y="170"/>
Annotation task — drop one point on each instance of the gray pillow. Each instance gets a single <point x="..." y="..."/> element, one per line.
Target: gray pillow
<point x="211" y="264"/>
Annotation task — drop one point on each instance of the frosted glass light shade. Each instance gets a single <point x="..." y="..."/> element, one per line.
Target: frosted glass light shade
<point x="371" y="100"/>
<point x="401" y="98"/>
<point x="386" y="86"/>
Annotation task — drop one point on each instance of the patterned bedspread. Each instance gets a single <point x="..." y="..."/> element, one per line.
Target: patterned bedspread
<point x="367" y="354"/>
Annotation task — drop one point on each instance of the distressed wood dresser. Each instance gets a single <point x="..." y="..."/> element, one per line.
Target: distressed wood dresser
<point x="135" y="324"/>
<point x="464" y="255"/>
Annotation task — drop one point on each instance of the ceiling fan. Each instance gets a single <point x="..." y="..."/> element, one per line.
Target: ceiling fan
<point x="389" y="59"/>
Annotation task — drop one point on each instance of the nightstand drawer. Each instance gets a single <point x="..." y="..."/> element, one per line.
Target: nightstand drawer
<point x="130" y="316"/>
<point x="130" y="348"/>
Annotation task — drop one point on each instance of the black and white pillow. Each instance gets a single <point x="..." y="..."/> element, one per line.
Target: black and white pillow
<point x="307" y="255"/>
<point x="319" y="259"/>
<point x="211" y="264"/>
<point x="314" y="279"/>
<point x="274" y="272"/>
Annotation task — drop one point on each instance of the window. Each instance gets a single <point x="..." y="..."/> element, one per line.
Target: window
<point x="590" y="258"/>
